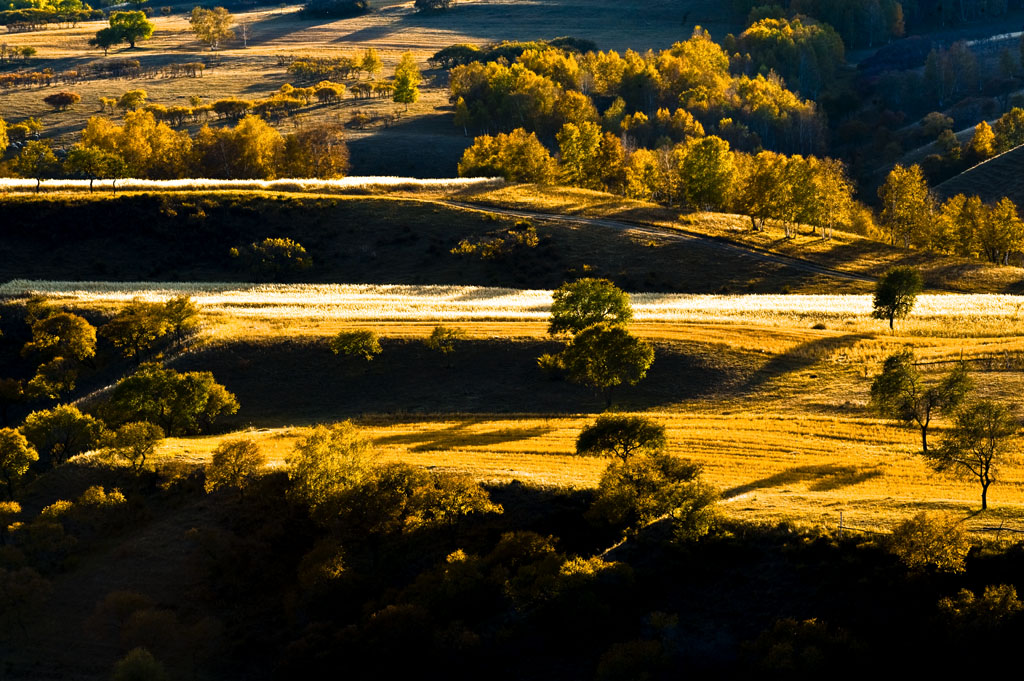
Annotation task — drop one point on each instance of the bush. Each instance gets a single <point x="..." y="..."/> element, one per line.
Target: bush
<point x="930" y="542"/>
<point x="363" y="344"/>
<point x="235" y="463"/>
<point x="274" y="257"/>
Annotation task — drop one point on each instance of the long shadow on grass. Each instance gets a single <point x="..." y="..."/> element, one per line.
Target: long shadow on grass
<point x="823" y="478"/>
<point x="459" y="435"/>
<point x="802" y="356"/>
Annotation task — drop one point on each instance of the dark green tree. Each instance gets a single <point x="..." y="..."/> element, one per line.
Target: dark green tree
<point x="61" y="433"/>
<point x="363" y="344"/>
<point x="131" y="26"/>
<point x="605" y="355"/>
<point x="584" y="302"/>
<point x="896" y="292"/>
<point x="621" y="436"/>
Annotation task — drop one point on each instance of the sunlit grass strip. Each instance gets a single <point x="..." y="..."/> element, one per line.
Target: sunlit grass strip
<point x="299" y="184"/>
<point x="401" y="302"/>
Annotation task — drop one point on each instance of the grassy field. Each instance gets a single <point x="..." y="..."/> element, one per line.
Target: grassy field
<point x="775" y="409"/>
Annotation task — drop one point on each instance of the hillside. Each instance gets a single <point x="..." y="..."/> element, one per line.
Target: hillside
<point x="999" y="176"/>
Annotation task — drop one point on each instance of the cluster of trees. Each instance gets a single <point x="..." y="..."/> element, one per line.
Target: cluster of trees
<point x="8" y="53"/>
<point x="961" y="225"/>
<point x="32" y="15"/>
<point x="804" y="52"/>
<point x="142" y="147"/>
<point x="543" y="89"/>
<point x="325" y="68"/>
<point x="702" y="172"/>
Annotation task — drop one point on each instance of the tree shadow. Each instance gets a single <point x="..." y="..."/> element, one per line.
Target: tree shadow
<point x="823" y="478"/>
<point x="801" y="357"/>
<point x="460" y="435"/>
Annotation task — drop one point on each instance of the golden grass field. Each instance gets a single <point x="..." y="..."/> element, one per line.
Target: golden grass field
<point x="800" y="446"/>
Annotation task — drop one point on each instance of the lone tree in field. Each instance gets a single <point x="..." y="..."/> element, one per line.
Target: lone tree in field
<point x="363" y="344"/>
<point x="605" y="355"/>
<point x="899" y="393"/>
<point x="584" y="302"/>
<point x="896" y="292"/>
<point x="131" y="27"/>
<point x="622" y="437"/>
<point x="443" y="340"/>
<point x="979" y="443"/>
<point x="407" y="78"/>
<point x="62" y="101"/>
<point x="212" y="26"/>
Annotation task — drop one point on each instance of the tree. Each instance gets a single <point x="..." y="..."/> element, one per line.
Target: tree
<point x="134" y="442"/>
<point x="180" y="403"/>
<point x="371" y="63"/>
<point x="325" y="463"/>
<point x="1009" y="130"/>
<point x="634" y="493"/>
<point x="139" y="665"/>
<point x="133" y="100"/>
<point x="5" y="140"/>
<point x="61" y="334"/>
<point x="62" y="101"/>
<point x="212" y="26"/>
<point x="317" y="150"/>
<point x="36" y="160"/>
<point x="906" y="205"/>
<point x="131" y="26"/>
<point x="518" y="157"/>
<point x="930" y="541"/>
<point x="899" y="393"/>
<point x="363" y="344"/>
<point x="407" y="78"/>
<point x="16" y="455"/>
<point x="61" y="433"/>
<point x="605" y="355"/>
<point x="706" y="171"/>
<point x="584" y="302"/>
<point x="182" y="316"/>
<point x="443" y="340"/>
<point x="896" y="292"/>
<point x="579" y="146"/>
<point x="234" y="464"/>
<point x="89" y="163"/>
<point x="982" y="144"/>
<point x="274" y="257"/>
<point x="106" y="38"/>
<point x="621" y="436"/>
<point x="136" y="327"/>
<point x="977" y="445"/>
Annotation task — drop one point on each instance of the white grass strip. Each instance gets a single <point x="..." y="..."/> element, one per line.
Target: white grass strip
<point x="305" y="185"/>
<point x="429" y="303"/>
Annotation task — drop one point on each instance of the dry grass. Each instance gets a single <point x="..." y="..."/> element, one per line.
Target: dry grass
<point x="769" y="466"/>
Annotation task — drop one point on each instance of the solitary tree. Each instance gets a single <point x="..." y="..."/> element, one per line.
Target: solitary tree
<point x="979" y="443"/>
<point x="37" y="161"/>
<point x="327" y="462"/>
<point x="584" y="302"/>
<point x="16" y="455"/>
<point x="899" y="393"/>
<point x="131" y="26"/>
<point x="443" y="340"/>
<point x="363" y="344"/>
<point x="62" y="101"/>
<point x="605" y="355"/>
<point x="930" y="541"/>
<point x="235" y="463"/>
<point x="407" y="78"/>
<point x="212" y="26"/>
<point x="106" y="38"/>
<point x="621" y="436"/>
<point x="371" y="62"/>
<point x="896" y="292"/>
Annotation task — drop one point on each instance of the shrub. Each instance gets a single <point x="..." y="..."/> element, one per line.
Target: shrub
<point x="273" y="257"/>
<point x="235" y="463"/>
<point x="134" y="443"/>
<point x="362" y="344"/>
<point x="930" y="542"/>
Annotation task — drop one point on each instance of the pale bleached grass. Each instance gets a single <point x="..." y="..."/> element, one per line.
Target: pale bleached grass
<point x="285" y="184"/>
<point x="946" y="314"/>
